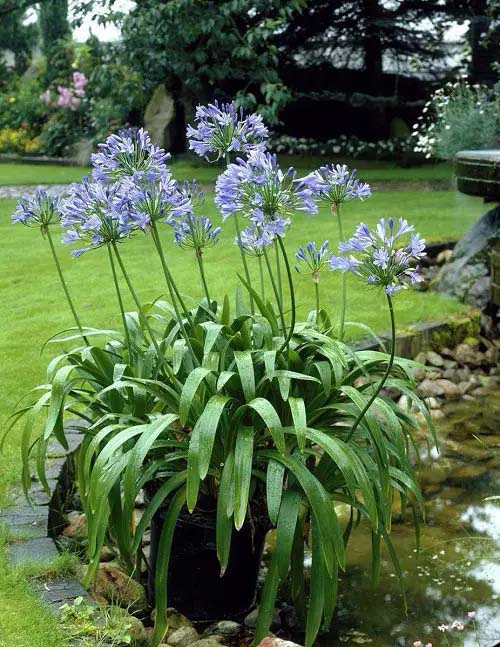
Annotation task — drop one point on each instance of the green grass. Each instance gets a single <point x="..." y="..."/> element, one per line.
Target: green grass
<point x="371" y="171"/>
<point x="24" y="621"/>
<point x="33" y="309"/>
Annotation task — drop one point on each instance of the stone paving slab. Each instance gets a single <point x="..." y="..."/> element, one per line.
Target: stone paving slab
<point x="18" y="190"/>
<point x="64" y="591"/>
<point x="24" y="519"/>
<point x="41" y="550"/>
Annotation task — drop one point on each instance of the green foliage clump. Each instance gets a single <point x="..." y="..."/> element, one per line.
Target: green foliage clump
<point x="459" y="117"/>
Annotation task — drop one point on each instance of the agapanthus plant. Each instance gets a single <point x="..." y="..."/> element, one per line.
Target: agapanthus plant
<point x="223" y="128"/>
<point x="235" y="405"/>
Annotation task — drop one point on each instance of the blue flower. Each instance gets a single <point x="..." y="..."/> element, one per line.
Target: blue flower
<point x="258" y="188"/>
<point x="129" y="151"/>
<point x="255" y="240"/>
<point x="378" y="261"/>
<point x="335" y="184"/>
<point x="149" y="197"/>
<point x="196" y="232"/>
<point x="222" y="128"/>
<point x="38" y="210"/>
<point x="95" y="213"/>
<point x="315" y="259"/>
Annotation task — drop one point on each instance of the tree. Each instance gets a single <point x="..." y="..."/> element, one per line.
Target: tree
<point x="205" y="48"/>
<point x="55" y="31"/>
<point x="17" y="37"/>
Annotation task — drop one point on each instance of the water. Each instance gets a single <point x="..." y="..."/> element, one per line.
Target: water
<point x="458" y="568"/>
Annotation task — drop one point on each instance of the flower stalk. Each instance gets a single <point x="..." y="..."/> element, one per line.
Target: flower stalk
<point x="120" y="302"/>
<point x="385" y="376"/>
<point x="343" y="280"/>
<point x="138" y="305"/>
<point x="46" y="230"/>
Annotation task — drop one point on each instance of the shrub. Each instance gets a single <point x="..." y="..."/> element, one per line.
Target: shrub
<point x="18" y="141"/>
<point x="458" y="117"/>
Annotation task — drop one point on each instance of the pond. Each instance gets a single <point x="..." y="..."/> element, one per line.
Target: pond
<point x="458" y="567"/>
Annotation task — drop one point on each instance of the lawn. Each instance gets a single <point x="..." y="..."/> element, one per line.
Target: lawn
<point x="187" y="169"/>
<point x="33" y="309"/>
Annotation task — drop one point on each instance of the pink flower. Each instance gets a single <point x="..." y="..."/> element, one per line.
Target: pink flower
<point x="417" y="643"/>
<point x="79" y="83"/>
<point x="471" y="614"/>
<point x="46" y="98"/>
<point x="429" y="645"/>
<point x="457" y="625"/>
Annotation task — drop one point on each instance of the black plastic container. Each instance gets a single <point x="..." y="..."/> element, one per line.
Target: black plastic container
<point x="194" y="584"/>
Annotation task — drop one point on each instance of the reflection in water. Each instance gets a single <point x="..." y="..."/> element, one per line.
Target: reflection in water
<point x="458" y="568"/>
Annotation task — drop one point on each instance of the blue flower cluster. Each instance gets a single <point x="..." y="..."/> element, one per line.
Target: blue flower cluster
<point x="131" y="188"/>
<point x="93" y="213"/>
<point x="316" y="259"/>
<point x="335" y="184"/>
<point x="196" y="232"/>
<point x="222" y="129"/>
<point x="129" y="151"/>
<point x="378" y="261"/>
<point x="257" y="188"/>
<point x="38" y="210"/>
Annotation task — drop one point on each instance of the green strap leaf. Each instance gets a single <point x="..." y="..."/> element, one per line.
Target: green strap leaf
<point x="287" y="520"/>
<point x="298" y="410"/>
<point x="274" y="489"/>
<point x="224" y="523"/>
<point x="243" y="459"/>
<point x="201" y="444"/>
<point x="317" y="590"/>
<point x="162" y="561"/>
<point x="271" y="418"/>
<point x="173" y="483"/>
<point x="244" y="362"/>
<point x="193" y="381"/>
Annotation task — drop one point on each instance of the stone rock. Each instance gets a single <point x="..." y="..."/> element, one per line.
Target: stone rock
<point x="137" y="631"/>
<point x="469" y="262"/>
<point x="251" y="619"/>
<point x="183" y="637"/>
<point x="175" y="620"/>
<point x="206" y="642"/>
<point x="465" y="387"/>
<point x="467" y="473"/>
<point x="227" y="628"/>
<point x="107" y="555"/>
<point x="480" y="392"/>
<point x="432" y="403"/>
<point x="452" y="374"/>
<point x="429" y="388"/>
<point x="434" y="358"/>
<point x="479" y="294"/>
<point x="444" y="256"/>
<point x="115" y="586"/>
<point x="437" y="414"/>
<point x="158" y="115"/>
<point x="277" y="642"/>
<point x="450" y="389"/>
<point x="77" y="526"/>
<point x="421" y="358"/>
